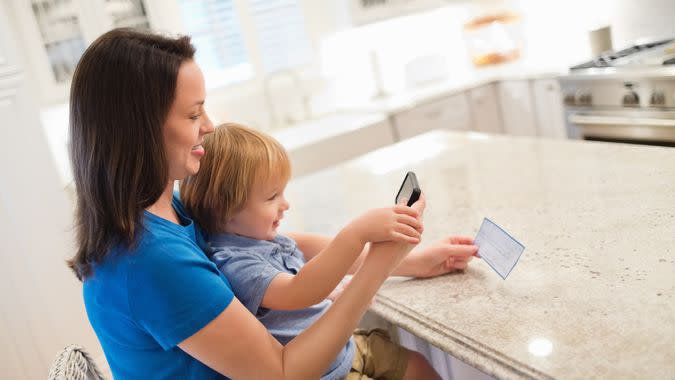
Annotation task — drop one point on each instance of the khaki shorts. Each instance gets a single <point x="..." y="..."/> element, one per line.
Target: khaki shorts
<point x="377" y="357"/>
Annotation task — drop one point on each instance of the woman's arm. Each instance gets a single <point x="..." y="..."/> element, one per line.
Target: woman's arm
<point x="441" y="257"/>
<point x="238" y="346"/>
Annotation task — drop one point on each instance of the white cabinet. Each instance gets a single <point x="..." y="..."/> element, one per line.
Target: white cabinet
<point x="517" y="108"/>
<point x="549" y="112"/>
<point x="55" y="33"/>
<point x="485" y="113"/>
<point x="362" y="12"/>
<point x="448" y="113"/>
<point x="514" y="107"/>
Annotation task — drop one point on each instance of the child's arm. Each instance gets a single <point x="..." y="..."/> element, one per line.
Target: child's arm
<point x="312" y="244"/>
<point x="320" y="275"/>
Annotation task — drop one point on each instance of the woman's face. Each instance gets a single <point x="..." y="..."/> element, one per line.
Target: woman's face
<point x="186" y="123"/>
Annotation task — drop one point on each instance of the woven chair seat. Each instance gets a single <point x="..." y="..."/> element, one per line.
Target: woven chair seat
<point x="74" y="363"/>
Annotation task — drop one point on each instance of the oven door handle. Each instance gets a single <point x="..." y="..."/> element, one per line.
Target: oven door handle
<point x="581" y="119"/>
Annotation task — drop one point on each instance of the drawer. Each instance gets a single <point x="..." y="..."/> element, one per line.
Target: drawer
<point x="448" y="113"/>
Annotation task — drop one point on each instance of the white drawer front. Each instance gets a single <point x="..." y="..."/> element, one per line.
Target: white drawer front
<point x="448" y="113"/>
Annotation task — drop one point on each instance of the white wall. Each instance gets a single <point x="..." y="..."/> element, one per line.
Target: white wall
<point x="42" y="309"/>
<point x="565" y="24"/>
<point x="631" y="20"/>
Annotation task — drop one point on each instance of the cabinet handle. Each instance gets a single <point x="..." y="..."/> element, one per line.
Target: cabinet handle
<point x="618" y="120"/>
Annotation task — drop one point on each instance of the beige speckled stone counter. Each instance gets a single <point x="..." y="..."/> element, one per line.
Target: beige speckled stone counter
<point x="593" y="295"/>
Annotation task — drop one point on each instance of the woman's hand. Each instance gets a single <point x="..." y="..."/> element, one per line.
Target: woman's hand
<point x="443" y="256"/>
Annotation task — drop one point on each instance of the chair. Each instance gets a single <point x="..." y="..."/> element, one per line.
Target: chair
<point x="74" y="363"/>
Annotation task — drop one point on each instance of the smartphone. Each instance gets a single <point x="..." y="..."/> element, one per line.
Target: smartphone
<point x="410" y="189"/>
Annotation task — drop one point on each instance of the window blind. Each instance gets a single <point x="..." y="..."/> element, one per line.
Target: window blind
<point x="281" y="32"/>
<point x="216" y="33"/>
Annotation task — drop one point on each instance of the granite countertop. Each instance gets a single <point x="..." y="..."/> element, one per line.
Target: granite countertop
<point x="593" y="295"/>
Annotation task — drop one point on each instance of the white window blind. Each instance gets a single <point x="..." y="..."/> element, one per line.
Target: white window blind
<point x="216" y="33"/>
<point x="282" y="35"/>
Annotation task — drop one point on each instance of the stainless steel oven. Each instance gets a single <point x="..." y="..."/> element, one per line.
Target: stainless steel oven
<point x="627" y="126"/>
<point x="626" y="96"/>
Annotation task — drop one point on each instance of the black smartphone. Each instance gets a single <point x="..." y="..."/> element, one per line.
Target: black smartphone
<point x="410" y="189"/>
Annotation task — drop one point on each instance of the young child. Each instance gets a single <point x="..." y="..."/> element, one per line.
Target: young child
<point x="238" y="198"/>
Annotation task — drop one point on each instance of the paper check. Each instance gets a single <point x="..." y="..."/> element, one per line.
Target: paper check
<point x="499" y="249"/>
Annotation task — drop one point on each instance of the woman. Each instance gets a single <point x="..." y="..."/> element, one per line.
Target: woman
<point x="159" y="307"/>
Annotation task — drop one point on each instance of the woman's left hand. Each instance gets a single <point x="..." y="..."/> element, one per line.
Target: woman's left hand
<point x="443" y="256"/>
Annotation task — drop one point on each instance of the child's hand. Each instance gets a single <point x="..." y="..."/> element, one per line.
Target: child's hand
<point x="399" y="223"/>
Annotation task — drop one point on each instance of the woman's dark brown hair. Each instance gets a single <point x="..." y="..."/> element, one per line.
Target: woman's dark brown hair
<point x="120" y="96"/>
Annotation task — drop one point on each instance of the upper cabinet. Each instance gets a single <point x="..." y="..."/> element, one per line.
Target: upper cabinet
<point x="56" y="32"/>
<point x="367" y="11"/>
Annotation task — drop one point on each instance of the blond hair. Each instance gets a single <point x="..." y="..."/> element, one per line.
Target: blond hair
<point x="237" y="158"/>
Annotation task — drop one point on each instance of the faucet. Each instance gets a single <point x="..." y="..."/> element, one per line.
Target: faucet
<point x="304" y="97"/>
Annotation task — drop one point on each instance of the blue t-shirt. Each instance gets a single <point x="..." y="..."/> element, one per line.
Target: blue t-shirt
<point x="142" y="302"/>
<point x="250" y="265"/>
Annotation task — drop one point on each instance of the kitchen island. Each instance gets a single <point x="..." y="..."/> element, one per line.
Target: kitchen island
<point x="593" y="293"/>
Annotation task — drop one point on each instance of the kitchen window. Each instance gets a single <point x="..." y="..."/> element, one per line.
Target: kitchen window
<point x="236" y="40"/>
<point x="281" y="33"/>
<point x="217" y="34"/>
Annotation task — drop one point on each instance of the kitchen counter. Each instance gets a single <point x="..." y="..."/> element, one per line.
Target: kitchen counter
<point x="593" y="293"/>
<point x="332" y="139"/>
<point x="329" y="126"/>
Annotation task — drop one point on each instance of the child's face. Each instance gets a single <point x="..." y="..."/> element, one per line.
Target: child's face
<point x="262" y="213"/>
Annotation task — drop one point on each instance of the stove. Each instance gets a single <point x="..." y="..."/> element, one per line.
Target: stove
<point x="651" y="54"/>
<point x="623" y="96"/>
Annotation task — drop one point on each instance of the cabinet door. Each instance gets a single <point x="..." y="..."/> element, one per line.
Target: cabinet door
<point x="55" y="33"/>
<point x="548" y="108"/>
<point x="517" y="108"/>
<point x="485" y="114"/>
<point x="449" y="113"/>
